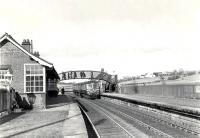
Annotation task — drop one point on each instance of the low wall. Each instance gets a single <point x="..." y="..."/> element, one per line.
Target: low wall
<point x="178" y="91"/>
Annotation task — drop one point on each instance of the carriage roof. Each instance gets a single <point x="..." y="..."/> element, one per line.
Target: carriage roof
<point x="87" y="82"/>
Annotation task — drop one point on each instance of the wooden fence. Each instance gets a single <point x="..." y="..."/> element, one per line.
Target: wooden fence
<point x="3" y="100"/>
<point x="178" y="91"/>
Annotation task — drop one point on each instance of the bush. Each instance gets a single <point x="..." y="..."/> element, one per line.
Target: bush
<point x="173" y="77"/>
<point x="22" y="102"/>
<point x="189" y="73"/>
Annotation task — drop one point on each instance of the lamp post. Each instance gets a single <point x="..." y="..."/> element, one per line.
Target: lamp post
<point x="9" y="78"/>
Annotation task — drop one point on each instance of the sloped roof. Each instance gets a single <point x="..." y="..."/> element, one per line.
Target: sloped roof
<point x="14" y="42"/>
<point x="6" y="67"/>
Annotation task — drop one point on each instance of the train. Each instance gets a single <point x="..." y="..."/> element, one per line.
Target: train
<point x="90" y="89"/>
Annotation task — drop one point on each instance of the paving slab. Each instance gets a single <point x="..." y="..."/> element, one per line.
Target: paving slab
<point x="52" y="122"/>
<point x="78" y="129"/>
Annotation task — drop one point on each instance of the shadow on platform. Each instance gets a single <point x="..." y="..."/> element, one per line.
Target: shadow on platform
<point x="60" y="100"/>
<point x="10" y="117"/>
<point x="41" y="126"/>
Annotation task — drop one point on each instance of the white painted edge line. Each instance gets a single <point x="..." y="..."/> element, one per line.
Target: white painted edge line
<point x="90" y="122"/>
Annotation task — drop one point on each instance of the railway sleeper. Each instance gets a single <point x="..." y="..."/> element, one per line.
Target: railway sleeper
<point x="184" y="123"/>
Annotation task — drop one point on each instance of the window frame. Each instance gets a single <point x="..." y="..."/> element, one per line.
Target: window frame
<point x="43" y="80"/>
<point x="3" y="72"/>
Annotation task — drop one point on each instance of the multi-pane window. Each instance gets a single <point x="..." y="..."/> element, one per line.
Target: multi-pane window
<point x="34" y="78"/>
<point x="2" y="74"/>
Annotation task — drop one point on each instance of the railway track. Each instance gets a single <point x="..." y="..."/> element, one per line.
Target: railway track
<point x="113" y="126"/>
<point x="152" y="131"/>
<point x="129" y="120"/>
<point x="188" y="125"/>
<point x="92" y="132"/>
<point x="125" y="128"/>
<point x="152" y="119"/>
<point x="170" y="109"/>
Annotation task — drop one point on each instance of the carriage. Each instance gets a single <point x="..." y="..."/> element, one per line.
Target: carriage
<point x="89" y="89"/>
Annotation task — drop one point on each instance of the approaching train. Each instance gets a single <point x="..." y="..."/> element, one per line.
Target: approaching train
<point x="90" y="89"/>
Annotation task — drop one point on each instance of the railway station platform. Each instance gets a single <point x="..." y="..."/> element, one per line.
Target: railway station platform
<point x="191" y="105"/>
<point x="62" y="118"/>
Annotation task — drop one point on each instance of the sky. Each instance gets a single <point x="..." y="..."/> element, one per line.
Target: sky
<point x="125" y="37"/>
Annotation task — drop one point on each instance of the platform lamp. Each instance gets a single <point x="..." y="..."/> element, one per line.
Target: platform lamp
<point x="9" y="77"/>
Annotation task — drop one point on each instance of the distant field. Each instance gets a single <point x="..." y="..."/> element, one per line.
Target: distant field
<point x="189" y="80"/>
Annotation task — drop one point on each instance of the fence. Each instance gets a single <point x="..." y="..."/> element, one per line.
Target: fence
<point x="3" y="100"/>
<point x="6" y="95"/>
<point x="178" y="91"/>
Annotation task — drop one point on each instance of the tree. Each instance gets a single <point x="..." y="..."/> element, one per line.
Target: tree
<point x="174" y="72"/>
<point x="181" y="71"/>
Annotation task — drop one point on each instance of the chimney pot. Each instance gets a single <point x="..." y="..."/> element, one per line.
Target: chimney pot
<point x="27" y="45"/>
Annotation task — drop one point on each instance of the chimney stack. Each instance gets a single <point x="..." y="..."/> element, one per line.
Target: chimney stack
<point x="36" y="53"/>
<point x="27" y="45"/>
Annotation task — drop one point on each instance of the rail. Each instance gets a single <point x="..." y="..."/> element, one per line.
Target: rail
<point x="93" y="127"/>
<point x="170" y="116"/>
<point x="162" y="107"/>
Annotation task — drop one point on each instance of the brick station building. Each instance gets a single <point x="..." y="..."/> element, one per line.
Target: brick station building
<point x="33" y="77"/>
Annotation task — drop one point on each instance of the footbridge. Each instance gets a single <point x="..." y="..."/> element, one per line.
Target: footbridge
<point x="88" y="74"/>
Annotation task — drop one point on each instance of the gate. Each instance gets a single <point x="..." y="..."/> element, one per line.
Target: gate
<point x="3" y="100"/>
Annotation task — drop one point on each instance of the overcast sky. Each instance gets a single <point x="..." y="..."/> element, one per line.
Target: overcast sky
<point x="128" y="37"/>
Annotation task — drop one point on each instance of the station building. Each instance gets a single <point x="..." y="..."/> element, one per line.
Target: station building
<point x="32" y="76"/>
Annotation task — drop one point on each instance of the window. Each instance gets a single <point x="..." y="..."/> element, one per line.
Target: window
<point x="2" y="74"/>
<point x="34" y="78"/>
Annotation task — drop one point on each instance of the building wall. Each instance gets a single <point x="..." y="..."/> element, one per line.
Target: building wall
<point x="178" y="91"/>
<point x="39" y="102"/>
<point x="11" y="55"/>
